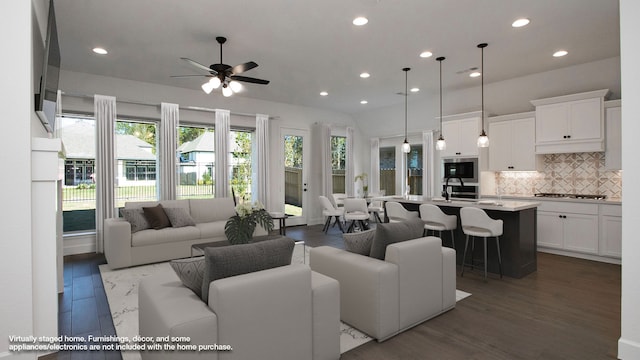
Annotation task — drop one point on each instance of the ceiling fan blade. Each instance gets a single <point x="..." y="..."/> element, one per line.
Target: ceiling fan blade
<point x="243" y="67"/>
<point x="199" y="66"/>
<point x="249" y="80"/>
<point x="182" y="76"/>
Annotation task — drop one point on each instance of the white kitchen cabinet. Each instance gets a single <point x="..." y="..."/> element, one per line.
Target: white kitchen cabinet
<point x="513" y="144"/>
<point x="613" y="138"/>
<point x="461" y="136"/>
<point x="571" y="123"/>
<point x="568" y="226"/>
<point x="611" y="231"/>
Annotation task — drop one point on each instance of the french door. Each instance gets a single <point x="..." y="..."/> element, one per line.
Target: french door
<point x="296" y="149"/>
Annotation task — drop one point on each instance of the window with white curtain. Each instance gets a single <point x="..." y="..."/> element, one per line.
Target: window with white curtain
<point x="414" y="169"/>
<point x="388" y="169"/>
<point x="338" y="163"/>
<point x="240" y="163"/>
<point x="196" y="161"/>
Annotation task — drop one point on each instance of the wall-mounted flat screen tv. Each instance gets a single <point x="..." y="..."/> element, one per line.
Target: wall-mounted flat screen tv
<point x="45" y="100"/>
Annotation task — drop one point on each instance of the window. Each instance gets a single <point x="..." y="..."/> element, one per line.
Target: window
<point x="388" y="170"/>
<point x="414" y="170"/>
<point x="338" y="163"/>
<point x="240" y="163"/>
<point x="196" y="159"/>
<point x="136" y="161"/>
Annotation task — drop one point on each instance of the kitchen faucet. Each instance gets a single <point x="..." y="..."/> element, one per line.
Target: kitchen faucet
<point x="445" y="194"/>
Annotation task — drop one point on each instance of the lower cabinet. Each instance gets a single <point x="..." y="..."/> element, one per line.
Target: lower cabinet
<point x="568" y="231"/>
<point x="611" y="231"/>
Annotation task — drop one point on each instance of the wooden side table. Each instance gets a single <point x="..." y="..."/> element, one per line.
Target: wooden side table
<point x="282" y="218"/>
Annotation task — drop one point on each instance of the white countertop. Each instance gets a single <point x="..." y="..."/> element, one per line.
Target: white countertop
<point x="486" y="204"/>
<point x="611" y="201"/>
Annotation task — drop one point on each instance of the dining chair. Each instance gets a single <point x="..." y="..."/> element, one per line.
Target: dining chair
<point x="356" y="210"/>
<point x="331" y="212"/>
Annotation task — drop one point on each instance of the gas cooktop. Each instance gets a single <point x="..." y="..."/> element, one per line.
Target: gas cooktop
<point x="571" y="196"/>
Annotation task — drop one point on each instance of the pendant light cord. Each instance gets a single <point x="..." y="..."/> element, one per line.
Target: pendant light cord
<point x="440" y="61"/>
<point x="482" y="46"/>
<point x="406" y="81"/>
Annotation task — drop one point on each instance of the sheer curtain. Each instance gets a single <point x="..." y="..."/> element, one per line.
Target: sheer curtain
<point x="349" y="176"/>
<point x="374" y="179"/>
<point x="260" y="162"/>
<point x="105" y="112"/>
<point x="325" y="159"/>
<point x="428" y="162"/>
<point x="167" y="145"/>
<point x="222" y="131"/>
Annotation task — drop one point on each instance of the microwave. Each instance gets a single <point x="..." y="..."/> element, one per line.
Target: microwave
<point x="464" y="168"/>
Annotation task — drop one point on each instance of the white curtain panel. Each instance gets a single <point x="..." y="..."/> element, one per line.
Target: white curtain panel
<point x="260" y="162"/>
<point x="167" y="145"/>
<point x="222" y="134"/>
<point x="349" y="175"/>
<point x="374" y="179"/>
<point x="105" y="112"/>
<point x="428" y="163"/>
<point x="325" y="158"/>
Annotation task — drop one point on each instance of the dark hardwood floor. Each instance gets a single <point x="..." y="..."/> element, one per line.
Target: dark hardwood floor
<point x="568" y="309"/>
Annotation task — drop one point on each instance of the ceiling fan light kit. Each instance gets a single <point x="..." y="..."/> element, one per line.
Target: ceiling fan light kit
<point x="223" y="74"/>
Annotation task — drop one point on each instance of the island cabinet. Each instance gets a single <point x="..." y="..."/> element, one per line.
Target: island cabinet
<point x="568" y="226"/>
<point x="517" y="243"/>
<point x="571" y="123"/>
<point x="461" y="136"/>
<point x="513" y="143"/>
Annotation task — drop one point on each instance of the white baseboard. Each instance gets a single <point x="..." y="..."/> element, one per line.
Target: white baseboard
<point x="79" y="243"/>
<point x="581" y="256"/>
<point x="628" y="349"/>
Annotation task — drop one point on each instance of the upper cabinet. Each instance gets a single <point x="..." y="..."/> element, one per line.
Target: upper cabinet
<point x="613" y="122"/>
<point x="461" y="134"/>
<point x="513" y="143"/>
<point x="571" y="123"/>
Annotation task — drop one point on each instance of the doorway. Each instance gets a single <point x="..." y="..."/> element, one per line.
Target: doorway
<point x="296" y="152"/>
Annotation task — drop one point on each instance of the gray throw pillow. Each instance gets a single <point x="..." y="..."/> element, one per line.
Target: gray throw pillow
<point x="390" y="233"/>
<point x="359" y="242"/>
<point x="179" y="217"/>
<point x="136" y="218"/>
<point x="190" y="271"/>
<point x="227" y="261"/>
<point x="156" y="217"/>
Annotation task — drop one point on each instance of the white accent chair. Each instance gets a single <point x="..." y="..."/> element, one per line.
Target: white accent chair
<point x="376" y="208"/>
<point x="436" y="220"/>
<point x="331" y="212"/>
<point x="415" y="282"/>
<point x="338" y="199"/>
<point x="476" y="223"/>
<point x="396" y="212"/>
<point x="356" y="210"/>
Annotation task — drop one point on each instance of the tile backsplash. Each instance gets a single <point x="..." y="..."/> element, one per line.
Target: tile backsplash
<point x="575" y="173"/>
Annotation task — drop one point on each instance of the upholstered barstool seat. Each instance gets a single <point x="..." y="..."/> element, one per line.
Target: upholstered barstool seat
<point x="436" y="220"/>
<point x="476" y="223"/>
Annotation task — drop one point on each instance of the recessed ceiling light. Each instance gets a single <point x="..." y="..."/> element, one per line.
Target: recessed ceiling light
<point x="475" y="74"/>
<point x="363" y="102"/>
<point x="365" y="75"/>
<point x="99" y="50"/>
<point x="426" y="54"/>
<point x="360" y="20"/>
<point x="520" y="22"/>
<point x="324" y="93"/>
<point x="560" y="53"/>
<point x="415" y="89"/>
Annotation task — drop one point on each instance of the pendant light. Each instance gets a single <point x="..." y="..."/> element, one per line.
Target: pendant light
<point x="440" y="144"/>
<point x="483" y="139"/>
<point x="406" y="148"/>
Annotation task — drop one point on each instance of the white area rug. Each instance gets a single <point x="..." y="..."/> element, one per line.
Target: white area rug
<point x="121" y="287"/>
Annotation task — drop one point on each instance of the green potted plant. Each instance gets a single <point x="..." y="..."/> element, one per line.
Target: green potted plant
<point x="239" y="228"/>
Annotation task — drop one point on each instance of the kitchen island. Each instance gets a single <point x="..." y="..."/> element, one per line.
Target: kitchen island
<point x="518" y="242"/>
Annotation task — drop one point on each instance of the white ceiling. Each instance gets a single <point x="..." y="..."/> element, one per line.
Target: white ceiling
<point x="304" y="47"/>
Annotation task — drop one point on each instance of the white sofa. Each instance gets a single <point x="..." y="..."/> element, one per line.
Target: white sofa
<point x="284" y="313"/>
<point x="415" y="282"/>
<point x="124" y="249"/>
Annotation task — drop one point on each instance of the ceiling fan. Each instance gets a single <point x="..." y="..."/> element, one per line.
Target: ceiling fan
<point x="223" y="74"/>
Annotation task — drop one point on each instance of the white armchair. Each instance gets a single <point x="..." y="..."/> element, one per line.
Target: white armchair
<point x="415" y="282"/>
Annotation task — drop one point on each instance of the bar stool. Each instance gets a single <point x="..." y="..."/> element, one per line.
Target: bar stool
<point x="476" y="223"/>
<point x="396" y="212"/>
<point x="436" y="220"/>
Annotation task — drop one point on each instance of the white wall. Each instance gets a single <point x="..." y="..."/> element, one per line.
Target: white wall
<point x="287" y="116"/>
<point x="16" y="94"/>
<point x="629" y="344"/>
